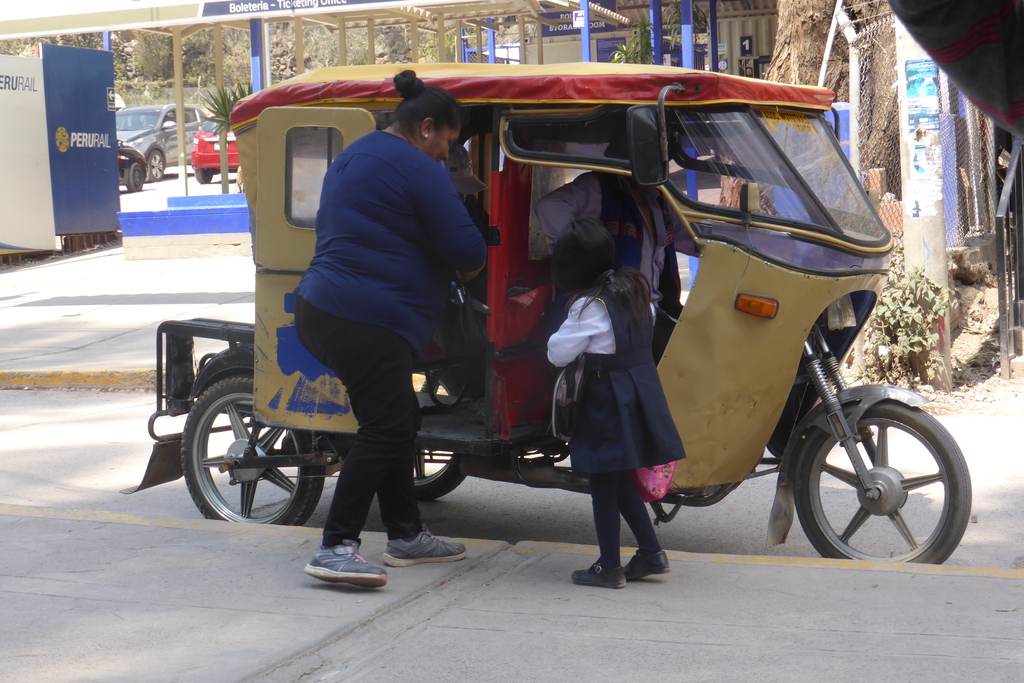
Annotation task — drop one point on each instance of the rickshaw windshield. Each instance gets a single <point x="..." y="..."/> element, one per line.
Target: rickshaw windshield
<point x="812" y="148"/>
<point x="713" y="153"/>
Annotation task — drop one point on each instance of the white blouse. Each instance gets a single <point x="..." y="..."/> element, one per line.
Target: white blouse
<point x="585" y="330"/>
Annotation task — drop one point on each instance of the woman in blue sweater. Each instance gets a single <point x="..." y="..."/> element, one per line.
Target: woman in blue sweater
<point x="390" y="230"/>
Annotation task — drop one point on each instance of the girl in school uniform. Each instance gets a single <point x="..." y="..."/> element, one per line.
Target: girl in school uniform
<point x="622" y="420"/>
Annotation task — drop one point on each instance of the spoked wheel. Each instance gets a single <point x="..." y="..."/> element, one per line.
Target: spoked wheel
<point x="925" y="501"/>
<point x="219" y="425"/>
<point x="436" y="474"/>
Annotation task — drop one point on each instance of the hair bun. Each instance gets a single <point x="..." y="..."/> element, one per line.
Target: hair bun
<point x="407" y="85"/>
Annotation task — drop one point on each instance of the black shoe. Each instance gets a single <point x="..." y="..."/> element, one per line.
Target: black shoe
<point x="640" y="566"/>
<point x="600" y="577"/>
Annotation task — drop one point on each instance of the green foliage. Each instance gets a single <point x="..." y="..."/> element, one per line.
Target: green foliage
<point x="637" y="48"/>
<point x="218" y="103"/>
<point x="904" y="326"/>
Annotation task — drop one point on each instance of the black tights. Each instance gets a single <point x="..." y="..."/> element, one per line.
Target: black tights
<point x="612" y="495"/>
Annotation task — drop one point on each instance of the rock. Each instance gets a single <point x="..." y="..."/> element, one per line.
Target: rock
<point x="975" y="261"/>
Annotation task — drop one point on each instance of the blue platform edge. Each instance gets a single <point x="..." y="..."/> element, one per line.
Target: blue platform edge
<point x="236" y="199"/>
<point x="203" y="215"/>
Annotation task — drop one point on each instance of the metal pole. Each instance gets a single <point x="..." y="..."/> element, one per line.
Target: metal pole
<point x="490" y="43"/>
<point x="256" y="53"/>
<point x="713" y="35"/>
<point x="414" y="41"/>
<point x="540" y="43"/>
<point x="371" y="43"/>
<point x="479" y="44"/>
<point x="300" y="46"/>
<point x="522" y="39"/>
<point x="828" y="43"/>
<point x="442" y="46"/>
<point x="657" y="31"/>
<point x="342" y="44"/>
<point x="855" y="110"/>
<point x="106" y="41"/>
<point x="179" y="107"/>
<point x="585" y="31"/>
<point x="218" y="81"/>
<point x="686" y="34"/>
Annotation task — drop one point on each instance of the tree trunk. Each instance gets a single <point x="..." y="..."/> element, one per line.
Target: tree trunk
<point x="800" y="44"/>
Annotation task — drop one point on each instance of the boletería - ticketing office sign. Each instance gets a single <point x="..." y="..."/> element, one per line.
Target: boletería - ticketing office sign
<point x="26" y="19"/>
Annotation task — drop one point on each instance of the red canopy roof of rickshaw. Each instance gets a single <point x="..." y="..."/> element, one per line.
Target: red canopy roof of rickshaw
<point x="575" y="83"/>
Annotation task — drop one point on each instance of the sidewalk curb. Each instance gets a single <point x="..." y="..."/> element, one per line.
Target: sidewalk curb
<point x="106" y="380"/>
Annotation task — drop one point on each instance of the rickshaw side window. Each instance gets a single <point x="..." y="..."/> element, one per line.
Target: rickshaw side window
<point x="598" y="136"/>
<point x="309" y="151"/>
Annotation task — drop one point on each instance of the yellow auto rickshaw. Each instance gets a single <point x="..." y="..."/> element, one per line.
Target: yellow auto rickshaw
<point x="791" y="258"/>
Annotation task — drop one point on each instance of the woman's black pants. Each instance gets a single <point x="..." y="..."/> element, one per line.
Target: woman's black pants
<point x="375" y="365"/>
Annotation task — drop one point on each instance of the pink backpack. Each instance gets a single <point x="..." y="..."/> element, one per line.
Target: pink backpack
<point x="652" y="483"/>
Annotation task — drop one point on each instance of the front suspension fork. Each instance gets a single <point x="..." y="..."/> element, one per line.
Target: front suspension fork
<point x="823" y="368"/>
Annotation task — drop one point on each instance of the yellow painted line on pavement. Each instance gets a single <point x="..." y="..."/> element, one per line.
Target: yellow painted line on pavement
<point x="122" y="380"/>
<point x="805" y="562"/>
<point x="165" y="522"/>
<point x="527" y="547"/>
<point x="211" y="525"/>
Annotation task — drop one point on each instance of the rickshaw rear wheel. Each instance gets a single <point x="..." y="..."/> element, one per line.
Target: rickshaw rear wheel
<point x="925" y="502"/>
<point x="436" y="474"/>
<point x="219" y="424"/>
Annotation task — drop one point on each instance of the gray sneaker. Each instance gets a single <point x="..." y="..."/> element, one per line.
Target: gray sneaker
<point x="342" y="564"/>
<point x="424" y="548"/>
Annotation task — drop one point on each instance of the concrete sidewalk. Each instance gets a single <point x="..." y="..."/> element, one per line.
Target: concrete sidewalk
<point x="91" y="320"/>
<point x="92" y="595"/>
<point x="89" y="594"/>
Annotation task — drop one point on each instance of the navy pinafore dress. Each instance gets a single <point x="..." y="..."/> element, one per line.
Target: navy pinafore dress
<point x="622" y="420"/>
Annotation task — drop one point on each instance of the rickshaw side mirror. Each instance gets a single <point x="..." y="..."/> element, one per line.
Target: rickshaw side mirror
<point x="644" y="139"/>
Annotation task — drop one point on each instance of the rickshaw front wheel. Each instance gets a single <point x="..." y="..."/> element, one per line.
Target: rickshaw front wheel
<point x="924" y="504"/>
<point x="218" y="425"/>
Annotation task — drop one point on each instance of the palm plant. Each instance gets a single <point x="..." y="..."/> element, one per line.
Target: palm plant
<point x="219" y="104"/>
<point x="638" y="49"/>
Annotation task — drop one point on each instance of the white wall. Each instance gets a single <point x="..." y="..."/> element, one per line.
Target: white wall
<point x="26" y="200"/>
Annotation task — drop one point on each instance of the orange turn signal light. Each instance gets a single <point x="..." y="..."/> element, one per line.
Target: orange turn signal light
<point x="758" y="306"/>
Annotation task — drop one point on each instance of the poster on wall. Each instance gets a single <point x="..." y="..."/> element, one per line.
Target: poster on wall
<point x="82" y="139"/>
<point x="27" y="223"/>
<point x="922" y="82"/>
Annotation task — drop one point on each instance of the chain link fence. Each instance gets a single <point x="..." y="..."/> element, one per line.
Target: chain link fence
<point x="967" y="139"/>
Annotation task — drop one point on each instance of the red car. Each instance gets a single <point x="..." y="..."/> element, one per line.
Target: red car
<point x="206" y="153"/>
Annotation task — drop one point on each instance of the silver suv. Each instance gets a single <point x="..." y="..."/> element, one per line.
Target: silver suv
<point x="153" y="131"/>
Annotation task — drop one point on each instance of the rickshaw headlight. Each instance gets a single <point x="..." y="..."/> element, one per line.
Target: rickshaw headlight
<point x="840" y="313"/>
